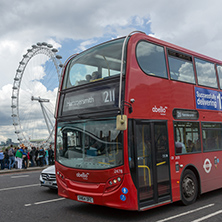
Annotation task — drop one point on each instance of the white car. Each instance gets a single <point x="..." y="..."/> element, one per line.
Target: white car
<point x="48" y="177"/>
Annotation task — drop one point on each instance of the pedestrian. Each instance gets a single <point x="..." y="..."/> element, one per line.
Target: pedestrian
<point x="46" y="157"/>
<point x="11" y="154"/>
<point x="31" y="156"/>
<point x="2" y="159"/>
<point x="37" y="156"/>
<point x="16" y="162"/>
<point x="19" y="155"/>
<point x="25" y="157"/>
<point x="51" y="155"/>
<point x="6" y="159"/>
<point x="41" y="156"/>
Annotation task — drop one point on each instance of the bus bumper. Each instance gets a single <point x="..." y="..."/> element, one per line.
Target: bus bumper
<point x="123" y="197"/>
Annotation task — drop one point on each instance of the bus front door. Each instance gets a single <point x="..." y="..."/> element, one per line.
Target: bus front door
<point x="152" y="152"/>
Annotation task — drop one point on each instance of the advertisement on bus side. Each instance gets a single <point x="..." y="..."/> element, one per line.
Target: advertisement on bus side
<point x="208" y="99"/>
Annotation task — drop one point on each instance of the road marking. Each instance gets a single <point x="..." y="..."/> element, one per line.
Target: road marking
<point x="208" y="216"/>
<point x="44" y="202"/>
<point x="19" y="187"/>
<point x="185" y="213"/>
<point x="19" y="176"/>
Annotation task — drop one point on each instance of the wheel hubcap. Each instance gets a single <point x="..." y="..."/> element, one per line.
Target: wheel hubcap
<point x="188" y="187"/>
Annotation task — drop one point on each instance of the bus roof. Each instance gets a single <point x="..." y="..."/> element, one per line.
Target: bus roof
<point x="174" y="47"/>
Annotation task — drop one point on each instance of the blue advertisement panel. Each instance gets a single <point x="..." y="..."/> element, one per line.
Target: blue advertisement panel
<point x="208" y="99"/>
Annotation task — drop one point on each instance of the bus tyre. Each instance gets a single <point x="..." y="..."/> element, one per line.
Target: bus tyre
<point x="189" y="188"/>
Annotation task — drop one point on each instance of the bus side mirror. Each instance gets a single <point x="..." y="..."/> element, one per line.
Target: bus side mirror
<point x="121" y="122"/>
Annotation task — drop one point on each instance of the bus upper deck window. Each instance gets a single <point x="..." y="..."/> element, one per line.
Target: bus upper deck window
<point x="151" y="59"/>
<point x="219" y="71"/>
<point x="206" y="73"/>
<point x="100" y="62"/>
<point x="181" y="67"/>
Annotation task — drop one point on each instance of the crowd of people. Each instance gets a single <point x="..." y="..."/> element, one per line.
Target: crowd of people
<point x="21" y="157"/>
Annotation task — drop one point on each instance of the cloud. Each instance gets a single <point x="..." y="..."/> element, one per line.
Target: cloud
<point x="191" y="24"/>
<point x="24" y="24"/>
<point x="6" y="127"/>
<point x="5" y="96"/>
<point x="84" y="45"/>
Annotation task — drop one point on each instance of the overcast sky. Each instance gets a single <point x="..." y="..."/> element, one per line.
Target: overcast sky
<point x="72" y="26"/>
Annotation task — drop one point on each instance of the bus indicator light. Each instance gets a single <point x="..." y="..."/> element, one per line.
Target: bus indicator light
<point x="177" y="167"/>
<point x="124" y="190"/>
<point x="113" y="183"/>
<point x="122" y="197"/>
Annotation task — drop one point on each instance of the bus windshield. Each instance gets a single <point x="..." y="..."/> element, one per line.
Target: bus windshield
<point x="97" y="63"/>
<point x="89" y="144"/>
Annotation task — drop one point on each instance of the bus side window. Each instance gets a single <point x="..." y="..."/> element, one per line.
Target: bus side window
<point x="187" y="136"/>
<point x="151" y="59"/>
<point x="181" y="67"/>
<point x="212" y="137"/>
<point x="206" y="74"/>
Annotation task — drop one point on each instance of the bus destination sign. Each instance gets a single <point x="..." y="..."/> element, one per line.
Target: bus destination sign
<point x="208" y="99"/>
<point x="185" y="114"/>
<point x="91" y="99"/>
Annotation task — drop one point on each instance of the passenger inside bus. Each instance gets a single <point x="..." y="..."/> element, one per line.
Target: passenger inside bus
<point x="197" y="144"/>
<point x="180" y="148"/>
<point x="88" y="77"/>
<point x="96" y="75"/>
<point x="190" y="146"/>
<point x="211" y="143"/>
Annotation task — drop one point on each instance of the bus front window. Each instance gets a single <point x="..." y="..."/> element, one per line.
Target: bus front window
<point x="89" y="144"/>
<point x="102" y="61"/>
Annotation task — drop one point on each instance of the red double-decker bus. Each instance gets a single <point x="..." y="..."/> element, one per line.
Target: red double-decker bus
<point x="138" y="124"/>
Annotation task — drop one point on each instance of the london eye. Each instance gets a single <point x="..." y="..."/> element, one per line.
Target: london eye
<point x="34" y="94"/>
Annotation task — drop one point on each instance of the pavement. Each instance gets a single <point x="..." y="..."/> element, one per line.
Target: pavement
<point x="6" y="171"/>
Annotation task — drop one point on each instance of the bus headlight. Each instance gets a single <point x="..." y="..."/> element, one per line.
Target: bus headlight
<point x="113" y="183"/>
<point x="61" y="178"/>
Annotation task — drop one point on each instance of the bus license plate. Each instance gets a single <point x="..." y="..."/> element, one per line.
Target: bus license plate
<point x="85" y="199"/>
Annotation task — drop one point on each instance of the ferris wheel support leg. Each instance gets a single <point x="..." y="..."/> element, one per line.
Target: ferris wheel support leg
<point x="45" y="117"/>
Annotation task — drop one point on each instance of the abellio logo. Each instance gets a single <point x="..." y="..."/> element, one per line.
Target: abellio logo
<point x="84" y="176"/>
<point x="161" y="110"/>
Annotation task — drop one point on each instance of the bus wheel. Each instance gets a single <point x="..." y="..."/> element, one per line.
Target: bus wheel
<point x="189" y="188"/>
